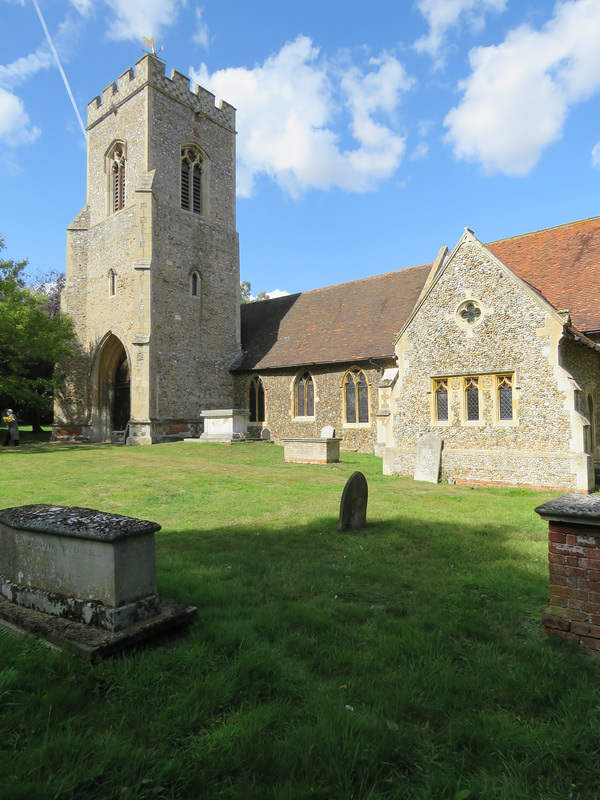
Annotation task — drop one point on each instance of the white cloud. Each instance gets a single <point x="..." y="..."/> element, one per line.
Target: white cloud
<point x="420" y="151"/>
<point x="134" y="19"/>
<point x="15" y="125"/>
<point x="26" y="67"/>
<point x="596" y="155"/>
<point x="201" y="35"/>
<point x="286" y="113"/>
<point x="519" y="93"/>
<point x="278" y="293"/>
<point x="444" y="14"/>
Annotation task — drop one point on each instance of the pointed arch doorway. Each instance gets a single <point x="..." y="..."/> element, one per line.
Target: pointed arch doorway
<point x="112" y="390"/>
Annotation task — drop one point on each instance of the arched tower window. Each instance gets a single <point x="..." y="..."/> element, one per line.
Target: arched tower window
<point x="305" y="396"/>
<point x="195" y="284"/>
<point x="256" y="400"/>
<point x="112" y="282"/>
<point x="356" y="397"/>
<point x="117" y="177"/>
<point x="191" y="179"/>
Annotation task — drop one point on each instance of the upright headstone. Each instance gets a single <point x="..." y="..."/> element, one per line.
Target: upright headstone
<point x="429" y="458"/>
<point x="328" y="432"/>
<point x="265" y="435"/>
<point x="353" y="506"/>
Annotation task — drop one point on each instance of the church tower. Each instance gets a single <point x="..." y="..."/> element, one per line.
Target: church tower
<point x="153" y="262"/>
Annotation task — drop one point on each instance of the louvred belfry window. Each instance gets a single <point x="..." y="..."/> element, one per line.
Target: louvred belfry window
<point x="191" y="180"/>
<point x="118" y="179"/>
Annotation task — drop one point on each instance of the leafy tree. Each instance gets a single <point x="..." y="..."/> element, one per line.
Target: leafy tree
<point x="246" y="293"/>
<point x="34" y="336"/>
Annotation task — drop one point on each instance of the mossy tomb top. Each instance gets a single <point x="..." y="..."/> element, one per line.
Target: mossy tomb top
<point x="81" y="523"/>
<point x="572" y="507"/>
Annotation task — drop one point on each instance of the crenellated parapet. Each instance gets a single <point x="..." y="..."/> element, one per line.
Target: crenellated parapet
<point x="150" y="70"/>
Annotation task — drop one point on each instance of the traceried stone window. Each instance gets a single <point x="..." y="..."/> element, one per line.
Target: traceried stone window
<point x="256" y="399"/>
<point x="117" y="177"/>
<point x="441" y="400"/>
<point x="471" y="388"/>
<point x="305" y="396"/>
<point x="504" y="397"/>
<point x="191" y="179"/>
<point x="356" y="397"/>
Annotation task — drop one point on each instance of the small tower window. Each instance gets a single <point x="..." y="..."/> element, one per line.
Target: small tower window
<point x="117" y="178"/>
<point x="112" y="283"/>
<point x="191" y="179"/>
<point x="195" y="284"/>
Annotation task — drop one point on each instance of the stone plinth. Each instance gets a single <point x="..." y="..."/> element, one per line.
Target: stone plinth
<point x="84" y="565"/>
<point x="311" y="451"/>
<point x="574" y="567"/>
<point x="225" y="425"/>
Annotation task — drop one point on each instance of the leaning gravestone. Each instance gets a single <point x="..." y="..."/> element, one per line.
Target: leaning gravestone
<point x="353" y="506"/>
<point x="429" y="458"/>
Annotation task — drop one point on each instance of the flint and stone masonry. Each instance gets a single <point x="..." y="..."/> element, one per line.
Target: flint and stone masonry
<point x="152" y="286"/>
<point x="574" y="567"/>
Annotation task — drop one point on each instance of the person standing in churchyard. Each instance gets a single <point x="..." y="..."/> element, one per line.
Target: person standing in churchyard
<point x="10" y="421"/>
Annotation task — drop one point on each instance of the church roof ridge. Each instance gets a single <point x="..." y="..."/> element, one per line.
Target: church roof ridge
<point x="543" y="231"/>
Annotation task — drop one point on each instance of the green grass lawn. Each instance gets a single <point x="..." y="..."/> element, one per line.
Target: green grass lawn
<point x="403" y="661"/>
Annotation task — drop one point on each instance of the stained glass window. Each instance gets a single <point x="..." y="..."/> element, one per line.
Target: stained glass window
<point x="441" y="400"/>
<point x="356" y="391"/>
<point x="256" y="400"/>
<point x="472" y="396"/>
<point x="305" y="396"/>
<point x="505" y="401"/>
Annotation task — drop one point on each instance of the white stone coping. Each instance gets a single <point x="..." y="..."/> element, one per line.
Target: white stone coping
<point x="310" y="439"/>
<point x="225" y="412"/>
<point x="80" y="523"/>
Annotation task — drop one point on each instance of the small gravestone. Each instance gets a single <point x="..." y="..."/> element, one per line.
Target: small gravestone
<point x="328" y="432"/>
<point x="265" y="435"/>
<point x="353" y="506"/>
<point x="429" y="458"/>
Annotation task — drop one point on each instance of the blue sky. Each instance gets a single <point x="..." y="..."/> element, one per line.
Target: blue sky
<point x="369" y="135"/>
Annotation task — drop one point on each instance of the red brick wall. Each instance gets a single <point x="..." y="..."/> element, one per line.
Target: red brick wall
<point x="574" y="565"/>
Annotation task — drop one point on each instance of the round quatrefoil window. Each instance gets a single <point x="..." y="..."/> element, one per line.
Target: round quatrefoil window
<point x="469" y="314"/>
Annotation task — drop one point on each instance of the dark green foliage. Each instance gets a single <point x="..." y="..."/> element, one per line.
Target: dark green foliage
<point x="33" y="338"/>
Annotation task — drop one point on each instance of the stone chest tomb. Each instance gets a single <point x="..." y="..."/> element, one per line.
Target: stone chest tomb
<point x="80" y="564"/>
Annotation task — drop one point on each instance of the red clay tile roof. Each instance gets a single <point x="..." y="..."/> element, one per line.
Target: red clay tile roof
<point x="562" y="264"/>
<point x="346" y="322"/>
<point x="358" y="320"/>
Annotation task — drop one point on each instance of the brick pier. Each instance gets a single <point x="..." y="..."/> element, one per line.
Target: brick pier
<point x="574" y="566"/>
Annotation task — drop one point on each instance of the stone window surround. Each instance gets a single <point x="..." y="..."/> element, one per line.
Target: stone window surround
<point x="204" y="180"/>
<point x="112" y="282"/>
<point x="486" y="382"/>
<point x="295" y="383"/>
<point x="361" y="425"/>
<point x="462" y="321"/>
<point x="252" y="378"/>
<point x="109" y="161"/>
